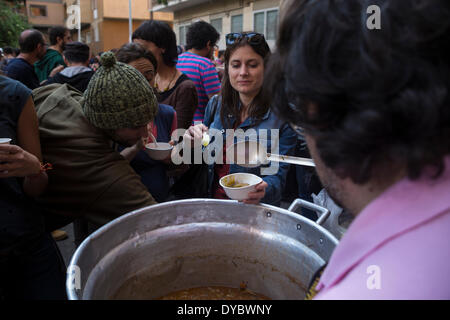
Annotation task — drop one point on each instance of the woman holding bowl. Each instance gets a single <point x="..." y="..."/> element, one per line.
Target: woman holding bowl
<point x="242" y="105"/>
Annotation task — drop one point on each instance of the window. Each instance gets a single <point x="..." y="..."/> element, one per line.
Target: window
<point x="182" y="35"/>
<point x="236" y="23"/>
<point x="88" y="37"/>
<point x="259" y="22"/>
<point x="217" y="24"/>
<point x="38" y="11"/>
<point x="266" y="22"/>
<point x="96" y="34"/>
<point x="182" y="30"/>
<point x="272" y="24"/>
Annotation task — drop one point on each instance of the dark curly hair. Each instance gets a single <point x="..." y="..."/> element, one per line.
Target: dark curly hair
<point x="130" y="52"/>
<point x="55" y="33"/>
<point x="162" y="36"/>
<point x="370" y="98"/>
<point x="199" y="34"/>
<point x="230" y="97"/>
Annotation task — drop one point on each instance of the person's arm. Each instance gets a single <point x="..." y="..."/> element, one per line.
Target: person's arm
<point x="24" y="159"/>
<point x="55" y="71"/>
<point x="210" y="80"/>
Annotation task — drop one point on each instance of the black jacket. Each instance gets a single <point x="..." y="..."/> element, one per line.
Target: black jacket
<point x="79" y="81"/>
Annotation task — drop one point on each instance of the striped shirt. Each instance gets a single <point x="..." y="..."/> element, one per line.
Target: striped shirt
<point x="204" y="75"/>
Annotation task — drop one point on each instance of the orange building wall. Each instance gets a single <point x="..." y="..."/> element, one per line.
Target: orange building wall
<point x="55" y="14"/>
<point x="119" y="9"/>
<point x="115" y="32"/>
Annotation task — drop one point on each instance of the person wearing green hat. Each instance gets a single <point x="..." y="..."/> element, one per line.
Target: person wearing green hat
<point x="90" y="179"/>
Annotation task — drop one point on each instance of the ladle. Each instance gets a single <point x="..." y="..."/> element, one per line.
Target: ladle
<point x="251" y="154"/>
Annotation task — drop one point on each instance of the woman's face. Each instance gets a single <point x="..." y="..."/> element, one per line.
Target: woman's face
<point x="147" y="69"/>
<point x="153" y="48"/>
<point x="246" y="71"/>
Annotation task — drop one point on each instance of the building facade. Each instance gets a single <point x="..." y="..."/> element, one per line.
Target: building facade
<point x="105" y="23"/>
<point x="43" y="15"/>
<point x="225" y="15"/>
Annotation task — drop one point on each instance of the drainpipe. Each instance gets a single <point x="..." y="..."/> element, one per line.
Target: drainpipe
<point x="130" y="22"/>
<point x="79" y="22"/>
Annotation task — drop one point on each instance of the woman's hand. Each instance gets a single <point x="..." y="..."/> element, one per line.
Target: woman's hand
<point x="195" y="133"/>
<point x="16" y="162"/>
<point x="256" y="196"/>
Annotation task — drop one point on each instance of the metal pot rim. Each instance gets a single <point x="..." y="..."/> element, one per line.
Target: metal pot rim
<point x="71" y="292"/>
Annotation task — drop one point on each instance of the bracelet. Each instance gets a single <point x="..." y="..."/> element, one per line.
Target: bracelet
<point x="46" y="167"/>
<point x="43" y="168"/>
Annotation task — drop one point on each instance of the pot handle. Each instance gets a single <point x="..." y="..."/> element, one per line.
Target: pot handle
<point x="324" y="213"/>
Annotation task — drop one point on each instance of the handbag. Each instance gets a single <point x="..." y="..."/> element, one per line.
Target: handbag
<point x="194" y="182"/>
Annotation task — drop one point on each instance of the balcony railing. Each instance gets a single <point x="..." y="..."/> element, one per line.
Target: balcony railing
<point x="176" y="5"/>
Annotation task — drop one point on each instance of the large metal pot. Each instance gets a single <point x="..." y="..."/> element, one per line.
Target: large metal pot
<point x="196" y="243"/>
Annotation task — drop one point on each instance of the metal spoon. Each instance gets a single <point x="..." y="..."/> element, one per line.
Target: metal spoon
<point x="251" y="154"/>
<point x="153" y="139"/>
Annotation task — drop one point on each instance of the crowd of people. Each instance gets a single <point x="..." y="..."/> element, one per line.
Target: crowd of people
<point x="371" y="107"/>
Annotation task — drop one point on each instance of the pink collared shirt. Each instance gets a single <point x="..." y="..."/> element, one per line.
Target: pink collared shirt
<point x="398" y="247"/>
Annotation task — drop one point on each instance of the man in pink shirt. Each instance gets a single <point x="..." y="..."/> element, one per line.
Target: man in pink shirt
<point x="372" y="98"/>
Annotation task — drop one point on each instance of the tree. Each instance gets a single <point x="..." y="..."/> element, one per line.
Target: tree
<point x="12" y="23"/>
<point x="162" y="2"/>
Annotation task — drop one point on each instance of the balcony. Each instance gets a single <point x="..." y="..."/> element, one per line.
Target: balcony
<point x="176" y="5"/>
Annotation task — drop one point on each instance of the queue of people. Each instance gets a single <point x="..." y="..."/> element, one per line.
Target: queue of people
<point x="78" y="139"/>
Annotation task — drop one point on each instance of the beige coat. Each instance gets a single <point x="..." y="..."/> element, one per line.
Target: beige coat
<point x="89" y="178"/>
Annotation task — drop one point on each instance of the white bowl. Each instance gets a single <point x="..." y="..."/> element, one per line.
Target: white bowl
<point x="160" y="152"/>
<point x="240" y="193"/>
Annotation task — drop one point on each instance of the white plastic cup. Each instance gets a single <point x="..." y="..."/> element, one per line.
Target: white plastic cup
<point x="4" y="141"/>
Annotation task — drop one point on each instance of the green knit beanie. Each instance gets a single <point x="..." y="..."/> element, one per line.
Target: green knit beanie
<point x="118" y="96"/>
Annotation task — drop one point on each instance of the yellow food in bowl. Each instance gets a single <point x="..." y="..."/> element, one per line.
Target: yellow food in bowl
<point x="232" y="183"/>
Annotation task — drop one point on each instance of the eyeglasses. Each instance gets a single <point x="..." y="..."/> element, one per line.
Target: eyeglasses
<point x="253" y="38"/>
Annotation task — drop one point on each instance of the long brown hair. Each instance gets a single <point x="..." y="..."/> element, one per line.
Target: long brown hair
<point x="230" y="97"/>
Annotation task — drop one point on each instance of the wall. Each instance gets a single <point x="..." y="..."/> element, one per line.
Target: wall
<point x="115" y="33"/>
<point x="120" y="9"/>
<point x="266" y="4"/>
<point x="55" y="14"/>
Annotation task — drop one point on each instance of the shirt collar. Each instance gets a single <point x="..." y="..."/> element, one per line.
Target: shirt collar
<point x="401" y="208"/>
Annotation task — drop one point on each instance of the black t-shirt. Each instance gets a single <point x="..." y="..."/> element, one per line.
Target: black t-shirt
<point x="20" y="218"/>
<point x="164" y="95"/>
<point x="20" y="70"/>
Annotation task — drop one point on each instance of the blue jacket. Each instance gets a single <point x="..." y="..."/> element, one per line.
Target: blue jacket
<point x="287" y="143"/>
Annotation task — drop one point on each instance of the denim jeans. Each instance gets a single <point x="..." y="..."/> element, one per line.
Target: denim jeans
<point x="34" y="270"/>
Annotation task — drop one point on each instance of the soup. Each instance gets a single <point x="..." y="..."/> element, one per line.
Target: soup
<point x="214" y="293"/>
